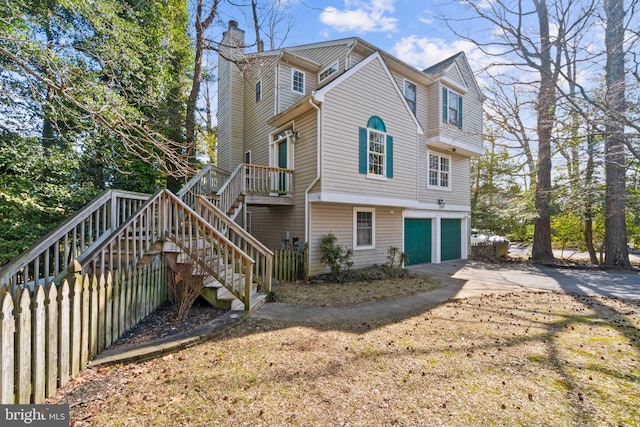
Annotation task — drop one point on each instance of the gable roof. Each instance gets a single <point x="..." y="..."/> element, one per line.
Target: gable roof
<point x="320" y="93"/>
<point x="442" y="66"/>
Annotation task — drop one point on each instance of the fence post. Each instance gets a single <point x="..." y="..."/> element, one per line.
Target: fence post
<point x="7" y="331"/>
<point x="38" y="350"/>
<point x="51" y="359"/>
<point x="23" y="347"/>
<point x="75" y="322"/>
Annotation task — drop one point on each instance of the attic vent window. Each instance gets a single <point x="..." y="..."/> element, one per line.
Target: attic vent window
<point x="328" y="71"/>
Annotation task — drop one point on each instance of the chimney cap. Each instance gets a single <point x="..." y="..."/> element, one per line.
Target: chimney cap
<point x="233" y="24"/>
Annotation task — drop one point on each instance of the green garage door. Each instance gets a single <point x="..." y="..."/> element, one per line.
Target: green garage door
<point x="451" y="237"/>
<point x="417" y="240"/>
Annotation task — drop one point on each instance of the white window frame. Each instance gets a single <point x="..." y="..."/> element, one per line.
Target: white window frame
<point x="383" y="136"/>
<point x="409" y="101"/>
<point x="447" y="119"/>
<point x="356" y="210"/>
<point x="258" y="90"/>
<point x="293" y="73"/>
<point x="329" y="71"/>
<point x="440" y="172"/>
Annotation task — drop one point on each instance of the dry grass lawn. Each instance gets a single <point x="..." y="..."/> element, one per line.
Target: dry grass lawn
<point x="535" y="359"/>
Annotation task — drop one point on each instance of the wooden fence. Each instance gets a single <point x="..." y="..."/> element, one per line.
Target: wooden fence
<point x="48" y="335"/>
<point x="290" y="264"/>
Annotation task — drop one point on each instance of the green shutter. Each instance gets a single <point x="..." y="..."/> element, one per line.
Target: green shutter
<point x="389" y="156"/>
<point x="363" y="150"/>
<point x="460" y="112"/>
<point x="445" y="104"/>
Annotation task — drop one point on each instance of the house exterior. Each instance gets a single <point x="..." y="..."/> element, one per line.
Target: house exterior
<point x="379" y="151"/>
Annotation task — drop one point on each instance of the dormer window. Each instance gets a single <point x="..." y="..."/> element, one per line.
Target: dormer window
<point x="328" y="71"/>
<point x="297" y="81"/>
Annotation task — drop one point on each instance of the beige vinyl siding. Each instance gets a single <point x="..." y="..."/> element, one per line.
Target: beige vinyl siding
<point x="326" y="56"/>
<point x="460" y="192"/>
<point x="256" y="130"/>
<point x="338" y="219"/>
<point x="288" y="97"/>
<point x="224" y="114"/>
<point x="349" y="106"/>
<point x="421" y="98"/>
<point x="434" y="114"/>
<point x="269" y="224"/>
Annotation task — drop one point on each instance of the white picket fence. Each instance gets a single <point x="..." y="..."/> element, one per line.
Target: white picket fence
<point x="47" y="335"/>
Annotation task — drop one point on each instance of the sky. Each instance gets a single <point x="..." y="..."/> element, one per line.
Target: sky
<point x="411" y="30"/>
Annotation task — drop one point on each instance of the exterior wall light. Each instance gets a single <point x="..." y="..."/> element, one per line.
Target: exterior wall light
<point x="293" y="135"/>
<point x="441" y="203"/>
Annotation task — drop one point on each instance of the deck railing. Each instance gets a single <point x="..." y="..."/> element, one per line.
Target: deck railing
<point x="49" y="257"/>
<point x="263" y="256"/>
<point x="263" y="180"/>
<point x="208" y="181"/>
<point x="228" y="194"/>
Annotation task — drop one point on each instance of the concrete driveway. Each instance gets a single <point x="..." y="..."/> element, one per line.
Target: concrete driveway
<point x="477" y="278"/>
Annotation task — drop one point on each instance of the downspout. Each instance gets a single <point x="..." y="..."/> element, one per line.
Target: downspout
<point x="307" y="232"/>
<point x="276" y="100"/>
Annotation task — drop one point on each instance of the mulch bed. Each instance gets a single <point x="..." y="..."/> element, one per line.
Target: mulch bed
<point x="162" y="323"/>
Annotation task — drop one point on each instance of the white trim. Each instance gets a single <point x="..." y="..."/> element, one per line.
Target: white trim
<point x="458" y="112"/>
<point x="362" y="199"/>
<point x="438" y="187"/>
<point x="273" y="146"/>
<point x="404" y="88"/>
<point x="382" y="176"/>
<point x="320" y="93"/>
<point x="448" y="143"/>
<point x="357" y="209"/>
<point x="304" y="81"/>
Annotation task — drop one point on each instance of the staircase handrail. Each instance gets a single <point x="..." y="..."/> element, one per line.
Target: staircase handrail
<point x="51" y="255"/>
<point x="263" y="256"/>
<point x="210" y="179"/>
<point x="130" y="241"/>
<point x="208" y="247"/>
<point x="231" y="189"/>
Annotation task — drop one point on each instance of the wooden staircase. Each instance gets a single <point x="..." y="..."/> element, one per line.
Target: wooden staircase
<point x="118" y="230"/>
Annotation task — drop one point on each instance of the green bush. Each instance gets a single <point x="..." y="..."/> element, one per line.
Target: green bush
<point x="334" y="256"/>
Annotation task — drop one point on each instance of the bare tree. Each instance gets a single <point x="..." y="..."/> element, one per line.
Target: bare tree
<point x="616" y="250"/>
<point x="531" y="38"/>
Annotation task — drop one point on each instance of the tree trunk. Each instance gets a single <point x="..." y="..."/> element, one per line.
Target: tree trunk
<point x="588" y="205"/>
<point x="541" y="250"/>
<point x="616" y="250"/>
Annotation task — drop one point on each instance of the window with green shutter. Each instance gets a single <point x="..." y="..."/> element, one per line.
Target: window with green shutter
<point x="375" y="150"/>
<point x="451" y="108"/>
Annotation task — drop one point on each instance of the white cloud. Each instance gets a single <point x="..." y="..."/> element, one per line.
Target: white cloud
<point x="423" y="52"/>
<point x="361" y="16"/>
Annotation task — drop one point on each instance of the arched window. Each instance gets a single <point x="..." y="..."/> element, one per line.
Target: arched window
<point x="376" y="149"/>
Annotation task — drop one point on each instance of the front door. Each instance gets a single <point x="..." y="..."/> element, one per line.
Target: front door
<point x="282" y="163"/>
